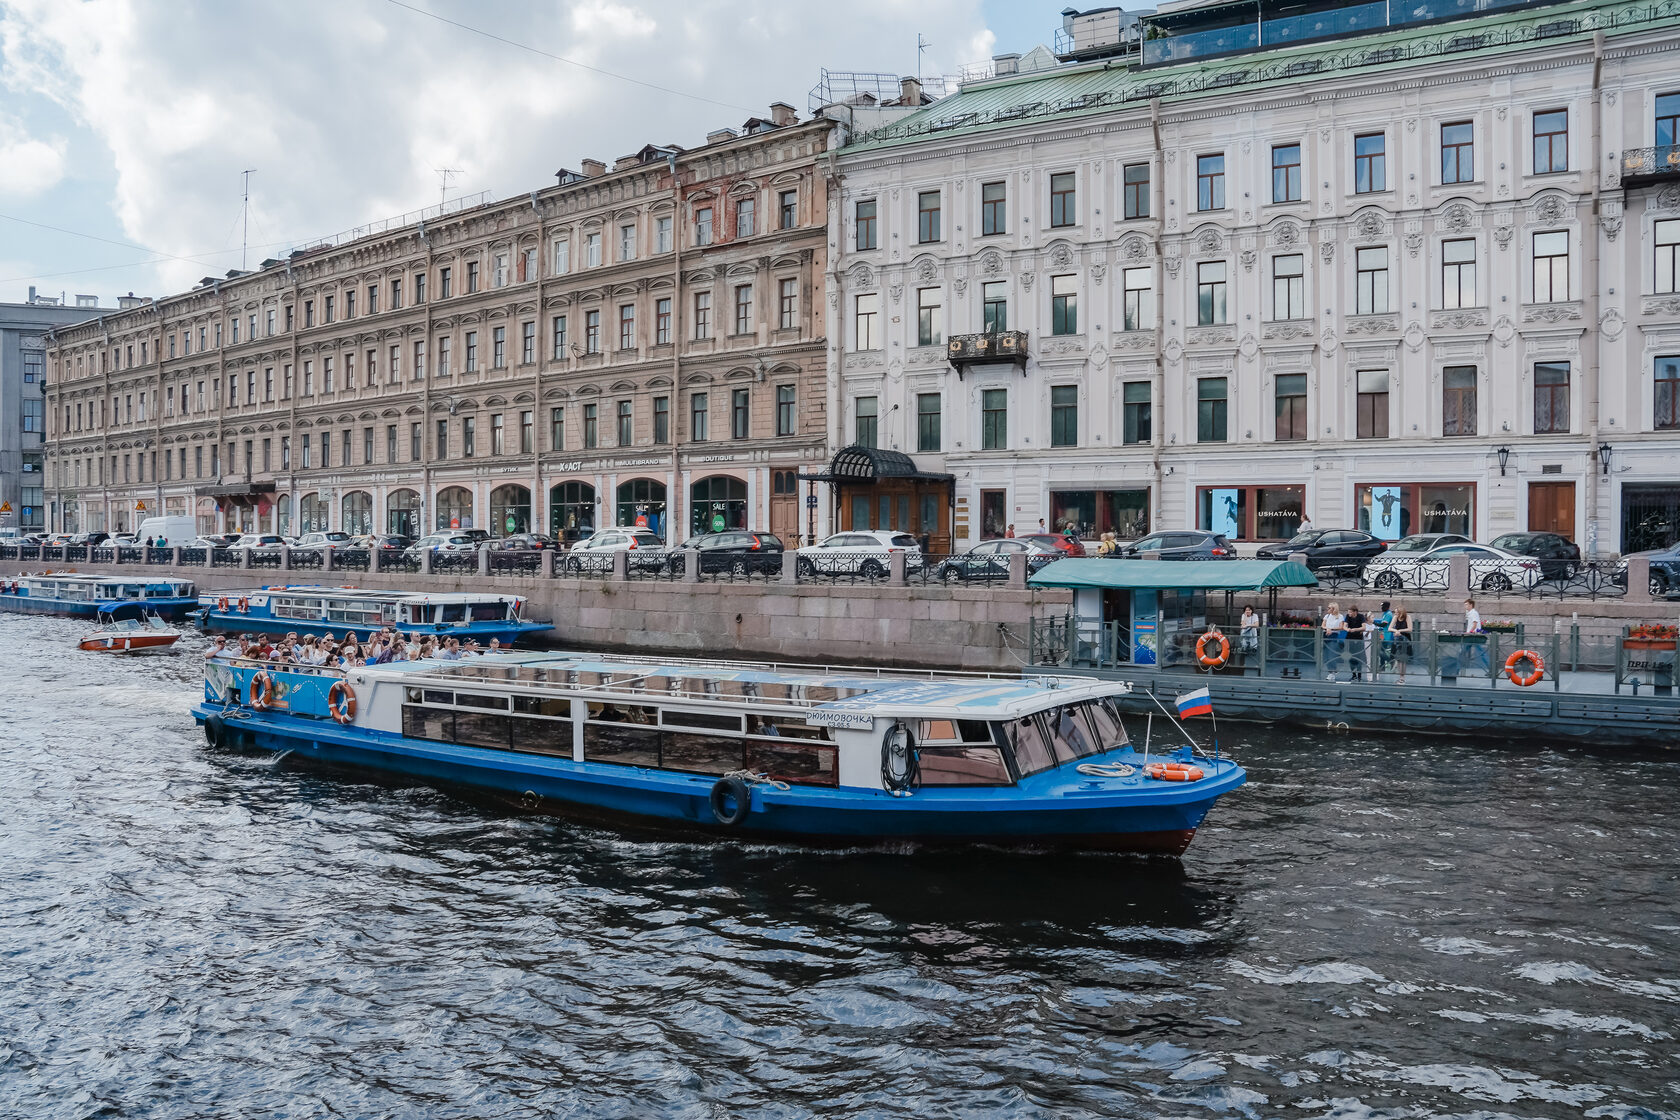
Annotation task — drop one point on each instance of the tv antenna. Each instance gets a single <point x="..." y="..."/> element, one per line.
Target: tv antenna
<point x="443" y="189"/>
<point x="921" y="48"/>
<point x="245" y="219"/>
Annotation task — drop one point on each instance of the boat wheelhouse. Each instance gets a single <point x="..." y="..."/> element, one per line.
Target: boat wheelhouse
<point x="83" y="596"/>
<point x="844" y="756"/>
<point x="315" y="609"/>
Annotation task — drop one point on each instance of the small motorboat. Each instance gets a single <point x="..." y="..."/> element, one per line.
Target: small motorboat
<point x="129" y="628"/>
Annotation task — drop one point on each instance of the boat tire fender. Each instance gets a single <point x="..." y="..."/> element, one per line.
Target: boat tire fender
<point x="214" y="729"/>
<point x="728" y="789"/>
<point x="1537" y="668"/>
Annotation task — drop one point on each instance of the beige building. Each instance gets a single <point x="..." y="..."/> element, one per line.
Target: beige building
<point x="639" y="344"/>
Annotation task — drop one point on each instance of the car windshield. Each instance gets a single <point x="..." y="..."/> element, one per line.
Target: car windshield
<point x="1412" y="544"/>
<point x="1301" y="540"/>
<point x="1514" y="542"/>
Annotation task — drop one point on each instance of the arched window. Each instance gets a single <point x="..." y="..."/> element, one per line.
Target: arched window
<point x="402" y="513"/>
<point x="641" y="502"/>
<point x="358" y="513"/>
<point x="312" y="514"/>
<point x="717" y="503"/>
<point x="510" y="510"/>
<point x="283" y="515"/>
<point x="455" y="508"/>
<point x="571" y="510"/>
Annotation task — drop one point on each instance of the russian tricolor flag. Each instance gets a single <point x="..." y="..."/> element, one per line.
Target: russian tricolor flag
<point x="1197" y="703"/>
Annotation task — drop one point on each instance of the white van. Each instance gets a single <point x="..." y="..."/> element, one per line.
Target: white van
<point x="174" y="531"/>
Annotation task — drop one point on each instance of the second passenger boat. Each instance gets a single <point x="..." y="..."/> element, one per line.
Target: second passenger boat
<point x="315" y="609"/>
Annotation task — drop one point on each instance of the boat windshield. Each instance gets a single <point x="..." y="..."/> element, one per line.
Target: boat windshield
<point x="1065" y="734"/>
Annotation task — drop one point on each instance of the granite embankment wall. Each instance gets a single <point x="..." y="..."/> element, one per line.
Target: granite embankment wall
<point x="936" y="627"/>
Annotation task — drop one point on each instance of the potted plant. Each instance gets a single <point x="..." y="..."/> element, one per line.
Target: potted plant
<point x="1651" y="635"/>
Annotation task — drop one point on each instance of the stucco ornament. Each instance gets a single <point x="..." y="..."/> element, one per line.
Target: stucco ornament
<point x="1370" y="225"/>
<point x="1209" y="241"/>
<point x="960" y="284"/>
<point x="1327" y="251"/>
<point x="1098" y="271"/>
<point x="926" y="269"/>
<point x="1027" y="280"/>
<point x="861" y="276"/>
<point x="1504" y="330"/>
<point x="1248" y="347"/>
<point x="1134" y="249"/>
<point x="1456" y="219"/>
<point x="1611" y="323"/>
<point x="1414" y="336"/>
<point x="1288" y="234"/>
<point x="896" y="291"/>
<point x="1060" y="255"/>
<point x="1502" y="236"/>
<point x="1549" y="208"/>
<point x="992" y="263"/>
<point x="1248" y="257"/>
<point x="1668" y="198"/>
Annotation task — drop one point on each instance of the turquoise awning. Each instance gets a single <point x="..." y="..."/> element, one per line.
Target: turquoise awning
<point x="1173" y="575"/>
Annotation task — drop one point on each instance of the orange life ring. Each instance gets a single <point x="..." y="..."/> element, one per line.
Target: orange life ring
<point x="244" y="605"/>
<point x="262" y="691"/>
<point x="1173" y="772"/>
<point x="1523" y="680"/>
<point x="1202" y="653"/>
<point x="222" y="603"/>
<point x="341" y="702"/>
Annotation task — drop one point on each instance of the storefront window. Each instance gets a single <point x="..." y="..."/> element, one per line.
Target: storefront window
<point x="1266" y="513"/>
<point x="358" y="513"/>
<point x="1091" y="513"/>
<point x="455" y="508"/>
<point x="571" y="510"/>
<point x="994" y="513"/>
<point x="312" y="515"/>
<point x="641" y="503"/>
<point x="510" y="510"/>
<point x="717" y="504"/>
<point x="402" y="513"/>
<point x="1389" y="511"/>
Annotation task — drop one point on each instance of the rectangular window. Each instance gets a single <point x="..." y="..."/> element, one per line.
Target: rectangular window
<point x="1289" y="287"/>
<point x="740" y="413"/>
<point x="662" y="321"/>
<point x="472" y="277"/>
<point x="591" y="332"/>
<point x="703" y="226"/>
<point x="1665" y="272"/>
<point x="527" y="342"/>
<point x="1668" y="120"/>
<point x="527" y="265"/>
<point x="1210" y="182"/>
<point x="1286" y="173"/>
<point x="787" y="206"/>
<point x="1210" y="293"/>
<point x="1458" y="401"/>
<point x="1666" y="395"/>
<point x="866" y="224"/>
<point x="1371" y="421"/>
<point x="627" y="326"/>
<point x="1551" y="267"/>
<point x="527" y="433"/>
<point x="557" y="330"/>
<point x="928" y="410"/>
<point x="446" y="283"/>
<point x="746" y="217"/>
<point x="626" y="423"/>
<point x="469" y="436"/>
<point x="787" y="304"/>
<point x="662" y="420"/>
<point x="592" y="250"/>
<point x="396" y="296"/>
<point x="1458" y="152"/>
<point x="994" y="210"/>
<point x="1551" y="397"/>
<point x="1137" y="421"/>
<point x="308" y="320"/>
<point x="390" y="446"/>
<point x="1137" y="190"/>
<point x="994" y="306"/>
<point x="367" y="445"/>
<point x="1291" y="407"/>
<point x="1064" y="305"/>
<point x="1370" y="163"/>
<point x="498" y="348"/>
<point x="349" y="311"/>
<point x="443" y="345"/>
<point x="414" y="450"/>
<point x="697" y="417"/>
<point x="1371" y="295"/>
<point x="930" y="317"/>
<point x="472" y="351"/>
<point x="1551" y="141"/>
<point x="927" y="217"/>
<point x="498" y="444"/>
<point x="787" y="421"/>
<point x="562" y="253"/>
<point x="1140" y="299"/>
<point x="557" y="429"/>
<point x="866" y="331"/>
<point x="1063" y="211"/>
<point x="627" y="243"/>
<point x="591" y="425"/>
<point x="865" y="421"/>
<point x="702" y="315"/>
<point x="1458" y="273"/>
<point x="419" y="288"/>
<point x="994" y="419"/>
<point x="1064" y="416"/>
<point x="1210" y="410"/>
<point x="662" y="235"/>
<point x="743" y="309"/>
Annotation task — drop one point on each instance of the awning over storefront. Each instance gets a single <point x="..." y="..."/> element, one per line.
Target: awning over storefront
<point x="857" y="465"/>
<point x="236" y="490"/>
<point x="1173" y="575"/>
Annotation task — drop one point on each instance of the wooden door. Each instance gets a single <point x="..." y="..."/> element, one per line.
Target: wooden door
<point x="1551" y="508"/>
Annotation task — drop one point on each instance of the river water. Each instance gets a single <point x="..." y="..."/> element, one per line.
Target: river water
<point x="1373" y="928"/>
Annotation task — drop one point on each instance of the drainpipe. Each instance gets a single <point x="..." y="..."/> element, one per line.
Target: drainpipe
<point x="1589" y="281"/>
<point x="538" y="493"/>
<point x="676" y="498"/>
<point x="427" y="424"/>
<point x="1157" y="201"/>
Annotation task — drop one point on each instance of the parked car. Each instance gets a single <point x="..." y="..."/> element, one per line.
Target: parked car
<point x="321" y="539"/>
<point x="1183" y="544"/>
<point x="647" y="551"/>
<point x="1491" y="569"/>
<point x="742" y="552"/>
<point x="1560" y="557"/>
<point x="91" y="539"/>
<point x="525" y="542"/>
<point x="441" y="542"/>
<point x="1423" y="542"/>
<point x="867" y="553"/>
<point x="268" y="542"/>
<point x="479" y="535"/>
<point x="215" y="540"/>
<point x="1061" y="542"/>
<point x="1665" y="570"/>
<point x="126" y="540"/>
<point x="990" y="560"/>
<point x="1331" y="551"/>
<point x="385" y="542"/>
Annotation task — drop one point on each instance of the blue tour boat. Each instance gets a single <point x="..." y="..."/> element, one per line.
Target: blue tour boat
<point x="843" y="756"/>
<point x="84" y="596"/>
<point x="315" y="609"/>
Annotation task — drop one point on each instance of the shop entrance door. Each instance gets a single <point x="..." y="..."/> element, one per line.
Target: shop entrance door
<point x="1551" y="508"/>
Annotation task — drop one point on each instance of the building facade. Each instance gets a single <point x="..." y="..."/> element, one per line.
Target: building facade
<point x="1419" y="278"/>
<point x="23" y="375"/>
<point x="636" y="345"/>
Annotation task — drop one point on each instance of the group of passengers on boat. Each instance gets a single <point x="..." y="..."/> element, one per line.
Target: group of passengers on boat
<point x="383" y="648"/>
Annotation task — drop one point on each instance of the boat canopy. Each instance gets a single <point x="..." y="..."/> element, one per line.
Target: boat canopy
<point x="1173" y="575"/>
<point x="120" y="612"/>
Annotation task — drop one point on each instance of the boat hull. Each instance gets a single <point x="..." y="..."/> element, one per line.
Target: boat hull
<point x="1140" y="816"/>
<point x="127" y="643"/>
<point x="172" y="610"/>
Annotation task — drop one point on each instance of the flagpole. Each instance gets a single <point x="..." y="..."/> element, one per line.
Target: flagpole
<point x="1148" y="731"/>
<point x="1179" y="723"/>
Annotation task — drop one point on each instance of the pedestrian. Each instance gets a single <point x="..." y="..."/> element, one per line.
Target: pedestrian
<point x="1250" y="639"/>
<point x="1401" y="629"/>
<point x="1041" y="525"/>
<point x="1473" y="626"/>
<point x="1010" y="532"/>
<point x="1335" y="633"/>
<point x="1107" y="545"/>
<point x="1305" y="526"/>
<point x="1358" y="634"/>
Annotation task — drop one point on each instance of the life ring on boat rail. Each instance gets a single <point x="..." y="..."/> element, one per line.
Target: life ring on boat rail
<point x="262" y="690"/>
<point x="341" y="702"/>
<point x="244" y="605"/>
<point x="900" y="769"/>
<point x="731" y="800"/>
<point x="1537" y="668"/>
<point x="1173" y="772"/>
<point x="1210" y="661"/>
<point x="222" y="603"/>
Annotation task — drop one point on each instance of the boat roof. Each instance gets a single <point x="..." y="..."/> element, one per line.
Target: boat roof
<point x="78" y="577"/>
<point x="857" y="691"/>
<point x="1180" y="575"/>
<point x="368" y="594"/>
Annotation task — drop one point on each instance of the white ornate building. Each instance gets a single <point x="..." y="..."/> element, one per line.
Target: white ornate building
<point x="1417" y="278"/>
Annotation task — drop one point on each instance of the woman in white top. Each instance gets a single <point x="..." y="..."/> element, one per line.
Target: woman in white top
<point x="1250" y="631"/>
<point x="1335" y="633"/>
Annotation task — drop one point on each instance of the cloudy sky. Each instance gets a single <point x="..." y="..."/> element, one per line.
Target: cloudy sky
<point x="125" y="124"/>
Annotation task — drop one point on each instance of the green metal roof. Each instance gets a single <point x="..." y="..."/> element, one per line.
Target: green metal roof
<point x="1173" y="575"/>
<point x="1071" y="92"/>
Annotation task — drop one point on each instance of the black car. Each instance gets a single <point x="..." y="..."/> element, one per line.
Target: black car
<point x="740" y="553"/>
<point x="1186" y="544"/>
<point x="1332" y="551"/>
<point x="1560" y="557"/>
<point x="1665" y="570"/>
<point x="525" y="542"/>
<point x="990" y="560"/>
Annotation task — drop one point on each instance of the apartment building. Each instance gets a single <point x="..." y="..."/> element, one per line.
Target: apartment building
<point x="640" y="344"/>
<point x="1399" y="268"/>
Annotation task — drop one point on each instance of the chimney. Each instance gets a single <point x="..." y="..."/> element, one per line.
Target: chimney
<point x="719" y="136"/>
<point x="782" y="114"/>
<point x="910" y="91"/>
<point x="1003" y="64"/>
<point x="625" y="163"/>
<point x="593" y="167"/>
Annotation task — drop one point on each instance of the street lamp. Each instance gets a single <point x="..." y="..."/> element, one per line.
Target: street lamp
<point x="1504" y="454"/>
<point x="1604" y="457"/>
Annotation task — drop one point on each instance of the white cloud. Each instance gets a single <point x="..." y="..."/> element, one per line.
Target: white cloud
<point x="28" y="166"/>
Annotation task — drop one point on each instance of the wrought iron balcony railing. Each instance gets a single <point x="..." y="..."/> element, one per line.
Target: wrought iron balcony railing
<point x="1648" y="165"/>
<point x="964" y="350"/>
